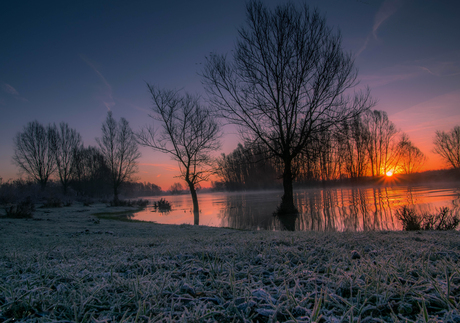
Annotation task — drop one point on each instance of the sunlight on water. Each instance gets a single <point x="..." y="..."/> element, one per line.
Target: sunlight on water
<point x="337" y="209"/>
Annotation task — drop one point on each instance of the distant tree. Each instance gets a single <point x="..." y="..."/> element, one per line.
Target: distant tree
<point x="352" y="138"/>
<point x="176" y="188"/>
<point x="33" y="153"/>
<point x="447" y="145"/>
<point x="380" y="141"/>
<point x="189" y="135"/>
<point x="286" y="82"/>
<point x="119" y="147"/>
<point x="91" y="173"/>
<point x="64" y="142"/>
<point x="411" y="159"/>
<point x="247" y="167"/>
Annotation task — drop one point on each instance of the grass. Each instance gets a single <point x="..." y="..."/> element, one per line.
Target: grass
<point x="67" y="267"/>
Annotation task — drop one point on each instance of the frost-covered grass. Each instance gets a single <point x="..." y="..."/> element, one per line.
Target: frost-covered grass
<point x="67" y="265"/>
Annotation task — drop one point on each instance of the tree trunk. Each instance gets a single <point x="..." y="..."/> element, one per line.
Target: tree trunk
<point x="196" y="210"/>
<point x="287" y="201"/>
<point x="115" y="194"/>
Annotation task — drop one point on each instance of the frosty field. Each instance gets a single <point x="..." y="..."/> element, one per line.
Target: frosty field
<point x="67" y="265"/>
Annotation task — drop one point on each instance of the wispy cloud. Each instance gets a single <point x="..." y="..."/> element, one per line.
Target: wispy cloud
<point x="437" y="66"/>
<point x="386" y="10"/>
<point x="7" y="88"/>
<point x="107" y="97"/>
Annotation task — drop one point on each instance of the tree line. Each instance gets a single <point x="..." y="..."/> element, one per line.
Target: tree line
<point x="367" y="145"/>
<point x="43" y="152"/>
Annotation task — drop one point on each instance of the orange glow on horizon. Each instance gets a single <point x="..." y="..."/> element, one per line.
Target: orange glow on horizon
<point x="389" y="173"/>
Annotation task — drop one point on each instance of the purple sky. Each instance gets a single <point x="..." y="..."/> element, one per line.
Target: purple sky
<point x="73" y="61"/>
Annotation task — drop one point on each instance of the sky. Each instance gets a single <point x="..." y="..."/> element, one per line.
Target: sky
<point x="63" y="61"/>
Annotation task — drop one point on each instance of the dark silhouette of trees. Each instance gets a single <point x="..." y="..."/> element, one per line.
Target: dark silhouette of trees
<point x="189" y="134"/>
<point x="411" y="159"/>
<point x="341" y="152"/>
<point x="380" y="143"/>
<point x="176" y="188"/>
<point x="64" y="142"/>
<point x="286" y="82"/>
<point x="248" y="167"/>
<point x="447" y="145"/>
<point x="119" y="147"/>
<point x="91" y="175"/>
<point x="33" y="153"/>
<point x="136" y="189"/>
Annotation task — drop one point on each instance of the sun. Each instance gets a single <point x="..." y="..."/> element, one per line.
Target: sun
<point x="389" y="173"/>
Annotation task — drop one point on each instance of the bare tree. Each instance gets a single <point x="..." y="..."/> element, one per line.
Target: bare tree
<point x="64" y="143"/>
<point x="189" y="134"/>
<point x="33" y="154"/>
<point x="287" y="81"/>
<point x="411" y="159"/>
<point x="447" y="145"/>
<point x="176" y="188"/>
<point x="380" y="142"/>
<point x="119" y="147"/>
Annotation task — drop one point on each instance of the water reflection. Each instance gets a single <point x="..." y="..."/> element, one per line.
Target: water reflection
<point x="343" y="209"/>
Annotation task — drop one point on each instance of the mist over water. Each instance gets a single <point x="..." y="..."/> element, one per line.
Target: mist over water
<point x="332" y="209"/>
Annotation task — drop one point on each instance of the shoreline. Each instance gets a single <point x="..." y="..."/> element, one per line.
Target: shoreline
<point x="67" y="264"/>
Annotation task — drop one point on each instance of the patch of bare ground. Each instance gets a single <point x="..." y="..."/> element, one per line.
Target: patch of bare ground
<point x="67" y="265"/>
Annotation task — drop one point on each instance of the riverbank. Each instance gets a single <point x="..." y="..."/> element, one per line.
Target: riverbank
<point x="68" y="265"/>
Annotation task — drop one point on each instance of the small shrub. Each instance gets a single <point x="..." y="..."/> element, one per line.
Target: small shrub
<point x="162" y="205"/>
<point x="444" y="220"/>
<point x="409" y="219"/>
<point x="21" y="210"/>
<point x="52" y="202"/>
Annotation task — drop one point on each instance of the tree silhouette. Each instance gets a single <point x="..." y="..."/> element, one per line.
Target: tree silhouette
<point x="447" y="145"/>
<point x="286" y="82"/>
<point x="189" y="134"/>
<point x="411" y="159"/>
<point x="64" y="142"/>
<point x="119" y="147"/>
<point x="33" y="153"/>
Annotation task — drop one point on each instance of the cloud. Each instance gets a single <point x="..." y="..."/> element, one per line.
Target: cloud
<point x="9" y="89"/>
<point x="12" y="91"/>
<point x="386" y="10"/>
<point x="438" y="67"/>
<point x="107" y="97"/>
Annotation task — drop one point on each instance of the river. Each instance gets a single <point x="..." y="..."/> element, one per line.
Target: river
<point x="331" y="209"/>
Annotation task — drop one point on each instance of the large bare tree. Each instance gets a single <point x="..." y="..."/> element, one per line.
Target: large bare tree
<point x="189" y="134"/>
<point x="288" y="79"/>
<point x="33" y="153"/>
<point x="64" y="144"/>
<point x="447" y="145"/>
<point x="119" y="147"/>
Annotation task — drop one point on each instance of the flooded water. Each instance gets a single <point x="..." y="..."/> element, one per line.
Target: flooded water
<point x="334" y="209"/>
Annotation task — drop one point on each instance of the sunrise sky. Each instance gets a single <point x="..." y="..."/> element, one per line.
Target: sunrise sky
<point x="74" y="61"/>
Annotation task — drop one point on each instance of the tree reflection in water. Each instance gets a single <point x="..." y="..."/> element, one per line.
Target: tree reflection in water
<point x="343" y="209"/>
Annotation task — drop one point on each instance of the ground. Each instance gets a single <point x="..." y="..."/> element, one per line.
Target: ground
<point x="68" y="265"/>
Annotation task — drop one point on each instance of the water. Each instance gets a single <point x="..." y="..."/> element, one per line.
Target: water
<point x="334" y="209"/>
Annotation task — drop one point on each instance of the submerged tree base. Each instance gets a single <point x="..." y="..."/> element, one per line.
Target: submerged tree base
<point x="287" y="214"/>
